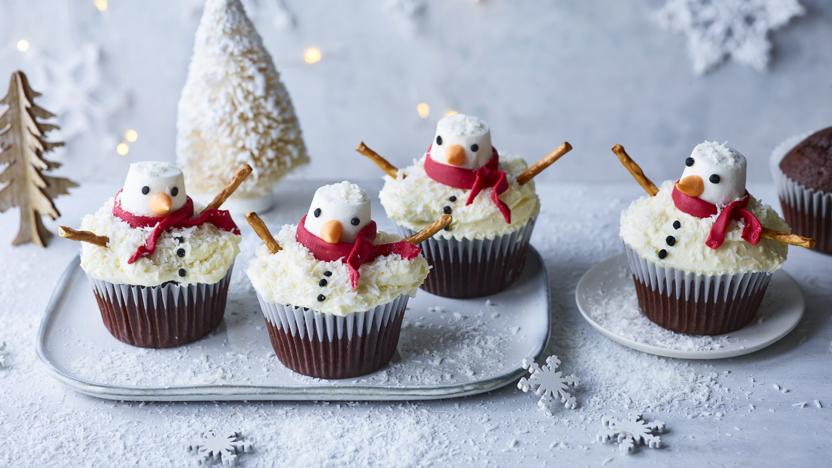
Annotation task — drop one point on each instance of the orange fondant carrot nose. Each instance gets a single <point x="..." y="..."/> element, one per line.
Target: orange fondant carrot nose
<point x="160" y="204"/>
<point x="455" y="155"/>
<point x="332" y="231"/>
<point x="691" y="185"/>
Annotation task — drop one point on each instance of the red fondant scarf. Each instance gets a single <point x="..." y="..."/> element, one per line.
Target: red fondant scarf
<point x="356" y="253"/>
<point x="181" y="218"/>
<point x="735" y="210"/>
<point x="489" y="175"/>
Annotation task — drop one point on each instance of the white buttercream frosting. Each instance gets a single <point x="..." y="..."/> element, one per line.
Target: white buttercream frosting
<point x="648" y="221"/>
<point x="209" y="252"/>
<point x="293" y="276"/>
<point x="414" y="200"/>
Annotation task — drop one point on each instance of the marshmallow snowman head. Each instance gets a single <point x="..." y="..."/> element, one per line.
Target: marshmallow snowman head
<point x="153" y="188"/>
<point x="715" y="173"/>
<point x="462" y="141"/>
<point x="338" y="212"/>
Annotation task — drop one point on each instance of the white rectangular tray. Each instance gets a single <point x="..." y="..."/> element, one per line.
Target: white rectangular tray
<point x="448" y="348"/>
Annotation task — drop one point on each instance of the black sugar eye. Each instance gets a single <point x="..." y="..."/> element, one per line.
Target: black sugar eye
<point x="145" y="190"/>
<point x="714" y="179"/>
<point x="317" y="212"/>
<point x="355" y="221"/>
<point x="475" y="147"/>
<point x="689" y="162"/>
<point x="438" y="139"/>
<point x="174" y="191"/>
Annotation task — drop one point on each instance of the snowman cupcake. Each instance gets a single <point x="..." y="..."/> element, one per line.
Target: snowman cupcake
<point x="158" y="267"/>
<point x="332" y="288"/>
<point x="702" y="249"/>
<point x="491" y="197"/>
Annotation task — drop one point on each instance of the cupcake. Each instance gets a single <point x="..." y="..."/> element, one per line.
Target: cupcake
<point x="802" y="169"/>
<point x="702" y="250"/>
<point x="159" y="268"/>
<point x="333" y="289"/>
<point x="491" y="197"/>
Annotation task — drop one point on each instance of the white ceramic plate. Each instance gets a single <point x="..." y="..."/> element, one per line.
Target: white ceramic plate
<point x="448" y="348"/>
<point x="606" y="298"/>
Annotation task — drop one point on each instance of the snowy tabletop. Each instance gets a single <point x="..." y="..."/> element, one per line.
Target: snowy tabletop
<point x="766" y="409"/>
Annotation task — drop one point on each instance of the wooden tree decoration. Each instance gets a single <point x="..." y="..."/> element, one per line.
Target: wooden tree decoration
<point x="22" y="148"/>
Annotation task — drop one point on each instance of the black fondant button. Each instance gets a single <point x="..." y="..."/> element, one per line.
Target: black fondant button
<point x="322" y="283"/>
<point x="321" y="298"/>
<point x="452" y="198"/>
<point x="446" y="210"/>
<point x="671" y="241"/>
<point x="676" y="224"/>
<point x="662" y="253"/>
<point x="182" y="272"/>
<point x="327" y="274"/>
<point x="180" y="252"/>
<point x="180" y="239"/>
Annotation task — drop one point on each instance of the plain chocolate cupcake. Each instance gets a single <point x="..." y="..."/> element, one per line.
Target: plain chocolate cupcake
<point x="803" y="173"/>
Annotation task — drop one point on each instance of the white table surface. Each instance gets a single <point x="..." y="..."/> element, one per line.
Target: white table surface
<point x="42" y="423"/>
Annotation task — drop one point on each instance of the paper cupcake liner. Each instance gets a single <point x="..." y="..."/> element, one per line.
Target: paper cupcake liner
<point x="693" y="303"/>
<point x="469" y="268"/>
<point x="163" y="316"/>
<point x="808" y="211"/>
<point x="332" y="347"/>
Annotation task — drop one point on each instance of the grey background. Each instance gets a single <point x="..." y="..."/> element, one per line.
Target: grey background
<point x="593" y="72"/>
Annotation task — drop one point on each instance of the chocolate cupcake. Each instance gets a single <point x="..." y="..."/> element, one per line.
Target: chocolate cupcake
<point x="701" y="251"/>
<point x="332" y="288"/>
<point x="492" y="200"/>
<point x="802" y="169"/>
<point x="159" y="269"/>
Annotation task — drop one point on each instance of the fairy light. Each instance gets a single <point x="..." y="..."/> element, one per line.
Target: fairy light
<point x="423" y="109"/>
<point x="122" y="149"/>
<point x="312" y="55"/>
<point x="101" y="5"/>
<point x="131" y="135"/>
<point x="22" y="45"/>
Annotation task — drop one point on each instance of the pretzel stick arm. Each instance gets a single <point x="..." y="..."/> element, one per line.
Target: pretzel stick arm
<point x="263" y="232"/>
<point x="786" y="238"/>
<point x="543" y="163"/>
<point x="425" y="234"/>
<point x="83" y="236"/>
<point x="377" y="159"/>
<point x="239" y="176"/>
<point x="635" y="170"/>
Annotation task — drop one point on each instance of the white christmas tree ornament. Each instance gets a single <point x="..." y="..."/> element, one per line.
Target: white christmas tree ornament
<point x="234" y="109"/>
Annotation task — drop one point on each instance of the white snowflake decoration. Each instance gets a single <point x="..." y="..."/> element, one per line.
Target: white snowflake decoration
<point x="4" y="363"/>
<point x="632" y="432"/>
<point x="409" y="14"/>
<point x="213" y="449"/>
<point x="549" y="383"/>
<point x="737" y="29"/>
<point x="75" y="89"/>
